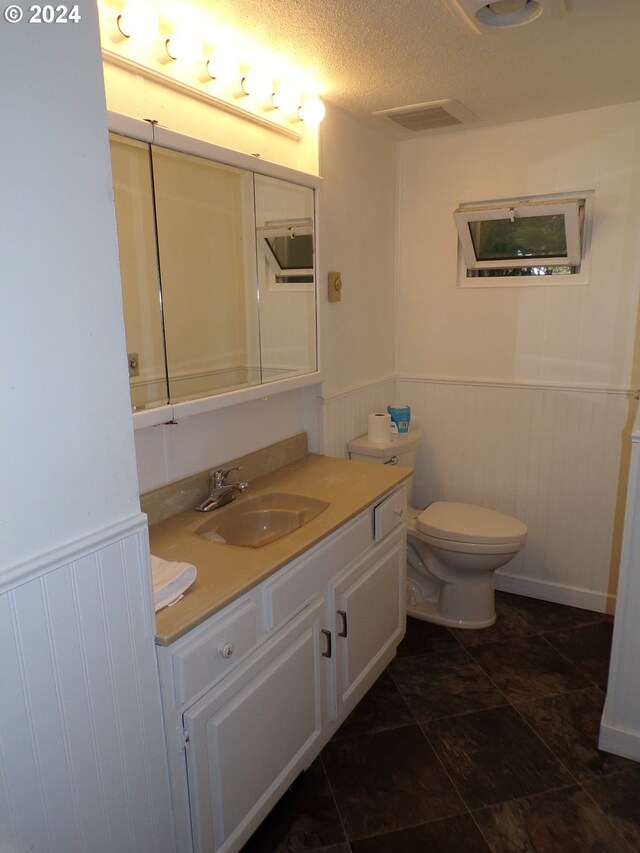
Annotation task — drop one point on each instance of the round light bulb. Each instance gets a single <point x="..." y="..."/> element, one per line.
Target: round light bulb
<point x="223" y="65"/>
<point x="257" y="83"/>
<point x="184" y="44"/>
<point x="138" y="20"/>
<point x="286" y="98"/>
<point x="312" y="110"/>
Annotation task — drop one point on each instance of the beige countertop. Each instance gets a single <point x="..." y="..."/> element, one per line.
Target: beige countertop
<point x="226" y="571"/>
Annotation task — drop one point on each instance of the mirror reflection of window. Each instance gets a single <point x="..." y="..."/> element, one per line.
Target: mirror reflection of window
<point x="285" y="277"/>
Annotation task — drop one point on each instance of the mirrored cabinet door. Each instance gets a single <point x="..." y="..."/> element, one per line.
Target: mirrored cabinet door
<point x="207" y="254"/>
<point x="132" y="184"/>
<point x="286" y="277"/>
<point x="218" y="275"/>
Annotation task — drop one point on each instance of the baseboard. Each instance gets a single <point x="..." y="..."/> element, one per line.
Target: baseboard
<point x="585" y="599"/>
<point x="619" y="741"/>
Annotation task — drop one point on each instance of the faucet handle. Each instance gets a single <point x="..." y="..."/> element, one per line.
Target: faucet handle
<point x="219" y="476"/>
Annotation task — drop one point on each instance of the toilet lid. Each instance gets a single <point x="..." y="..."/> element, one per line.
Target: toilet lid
<point x="468" y="523"/>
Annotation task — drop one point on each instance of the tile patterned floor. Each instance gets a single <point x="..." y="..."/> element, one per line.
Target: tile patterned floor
<point x="472" y="742"/>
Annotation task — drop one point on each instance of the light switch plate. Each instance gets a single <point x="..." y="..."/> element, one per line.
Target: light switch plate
<point x="335" y="287"/>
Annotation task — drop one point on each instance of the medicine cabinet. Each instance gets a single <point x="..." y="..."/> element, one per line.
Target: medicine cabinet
<point x="217" y="262"/>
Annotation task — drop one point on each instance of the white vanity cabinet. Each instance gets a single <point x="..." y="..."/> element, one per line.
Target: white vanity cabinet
<point x="252" y="695"/>
<point x="368" y="606"/>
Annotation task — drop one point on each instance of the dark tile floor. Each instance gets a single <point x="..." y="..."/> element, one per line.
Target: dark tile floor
<point x="473" y="741"/>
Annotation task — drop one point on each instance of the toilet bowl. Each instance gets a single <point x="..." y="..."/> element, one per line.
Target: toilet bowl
<point x="453" y="549"/>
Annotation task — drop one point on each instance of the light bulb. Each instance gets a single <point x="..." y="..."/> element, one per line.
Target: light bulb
<point x="286" y="98"/>
<point x="184" y="44"/>
<point x="138" y="20"/>
<point x="312" y="110"/>
<point x="257" y="83"/>
<point x="223" y="65"/>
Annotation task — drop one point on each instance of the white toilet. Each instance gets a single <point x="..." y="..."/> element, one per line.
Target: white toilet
<point x="453" y="549"/>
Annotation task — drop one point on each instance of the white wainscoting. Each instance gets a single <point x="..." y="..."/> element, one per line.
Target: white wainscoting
<point x="82" y="755"/>
<point x="554" y="456"/>
<point x="344" y="415"/>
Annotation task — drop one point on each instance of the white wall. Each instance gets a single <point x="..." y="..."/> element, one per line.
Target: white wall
<point x="82" y="756"/>
<point x="60" y="319"/>
<point x="620" y="728"/>
<point x="521" y="392"/>
<point x="551" y="334"/>
<point x="170" y="452"/>
<point x="357" y="238"/>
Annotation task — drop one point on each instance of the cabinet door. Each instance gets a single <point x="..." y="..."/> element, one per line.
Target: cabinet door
<point x="251" y="736"/>
<point x="369" y="612"/>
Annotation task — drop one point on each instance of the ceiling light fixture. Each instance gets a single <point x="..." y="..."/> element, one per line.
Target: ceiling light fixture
<point x="133" y="37"/>
<point x="257" y="83"/>
<point x="312" y="110"/>
<point x="223" y="66"/>
<point x="286" y="98"/>
<point x="184" y="44"/>
<point x="137" y="20"/>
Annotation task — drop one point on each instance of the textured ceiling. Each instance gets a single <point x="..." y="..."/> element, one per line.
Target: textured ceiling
<point x="377" y="54"/>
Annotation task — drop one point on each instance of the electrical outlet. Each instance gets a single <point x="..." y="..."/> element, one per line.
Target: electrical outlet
<point x="335" y="287"/>
<point x="134" y="364"/>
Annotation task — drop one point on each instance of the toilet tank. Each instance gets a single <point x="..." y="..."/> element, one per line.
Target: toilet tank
<point x="401" y="449"/>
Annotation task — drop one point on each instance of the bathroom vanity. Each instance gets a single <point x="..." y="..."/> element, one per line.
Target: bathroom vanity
<point x="273" y="646"/>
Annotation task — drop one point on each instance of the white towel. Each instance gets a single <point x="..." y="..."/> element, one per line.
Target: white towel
<point x="170" y="580"/>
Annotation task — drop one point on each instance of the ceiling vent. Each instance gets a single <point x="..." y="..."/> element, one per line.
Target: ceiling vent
<point x="419" y="118"/>
<point x="487" y="16"/>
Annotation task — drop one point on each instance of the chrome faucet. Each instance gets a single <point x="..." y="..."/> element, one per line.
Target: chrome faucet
<point x="221" y="492"/>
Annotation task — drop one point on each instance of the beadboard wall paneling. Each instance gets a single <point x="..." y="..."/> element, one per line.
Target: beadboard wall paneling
<point x="344" y="415"/>
<point x="81" y="737"/>
<point x="554" y="457"/>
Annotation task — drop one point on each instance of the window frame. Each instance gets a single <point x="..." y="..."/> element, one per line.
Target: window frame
<point x="284" y="228"/>
<point x="577" y="208"/>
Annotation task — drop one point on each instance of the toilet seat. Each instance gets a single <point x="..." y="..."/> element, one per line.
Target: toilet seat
<point x="466" y="524"/>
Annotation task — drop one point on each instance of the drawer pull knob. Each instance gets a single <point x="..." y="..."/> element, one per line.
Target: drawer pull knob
<point x="227" y="650"/>
<point x="343" y="615"/>
<point x="327" y="635"/>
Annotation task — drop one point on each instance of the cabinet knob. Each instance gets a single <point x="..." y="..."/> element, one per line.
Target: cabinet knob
<point x="227" y="650"/>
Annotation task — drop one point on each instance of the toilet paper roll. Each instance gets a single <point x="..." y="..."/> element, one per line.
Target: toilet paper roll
<point x="379" y="427"/>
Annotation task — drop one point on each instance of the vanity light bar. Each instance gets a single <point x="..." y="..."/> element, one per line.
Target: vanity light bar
<point x="134" y="36"/>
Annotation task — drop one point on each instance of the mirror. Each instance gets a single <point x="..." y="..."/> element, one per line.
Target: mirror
<point x="284" y="229"/>
<point x="135" y="220"/>
<point x="218" y="276"/>
<point x="206" y="246"/>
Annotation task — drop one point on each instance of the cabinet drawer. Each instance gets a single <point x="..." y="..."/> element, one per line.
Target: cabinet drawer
<point x="389" y="513"/>
<point x="291" y="589"/>
<point x="214" y="652"/>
